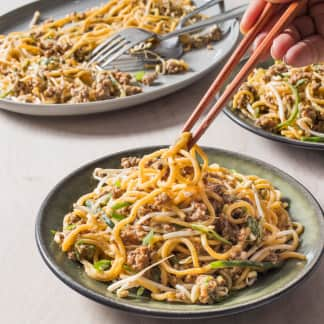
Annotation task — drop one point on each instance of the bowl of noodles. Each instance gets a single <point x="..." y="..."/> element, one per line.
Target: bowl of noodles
<point x="180" y="233"/>
<point x="282" y="103"/>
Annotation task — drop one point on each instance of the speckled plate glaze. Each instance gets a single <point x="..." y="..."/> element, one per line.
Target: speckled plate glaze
<point x="200" y="61"/>
<point x="249" y="125"/>
<point x="273" y="285"/>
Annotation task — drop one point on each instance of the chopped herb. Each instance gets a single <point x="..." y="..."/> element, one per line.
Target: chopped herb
<point x="315" y="139"/>
<point x="108" y="221"/>
<point x="117" y="216"/>
<point x="102" y="265"/>
<point x="53" y="232"/>
<point x="211" y="233"/>
<point x="148" y="239"/>
<point x="121" y="205"/>
<point x="262" y="266"/>
<point x="295" y="110"/>
<point x="118" y="184"/>
<point x="140" y="291"/>
<point x="139" y="75"/>
<point x="70" y="227"/>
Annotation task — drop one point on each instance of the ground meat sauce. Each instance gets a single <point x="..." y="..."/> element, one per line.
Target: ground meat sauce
<point x="139" y="258"/>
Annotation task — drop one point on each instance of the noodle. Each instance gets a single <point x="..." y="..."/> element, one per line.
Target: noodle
<point x="48" y="63"/>
<point x="285" y="100"/>
<point x="134" y="231"/>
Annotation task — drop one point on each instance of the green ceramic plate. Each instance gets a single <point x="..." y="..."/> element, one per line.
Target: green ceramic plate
<point x="248" y="124"/>
<point x="304" y="209"/>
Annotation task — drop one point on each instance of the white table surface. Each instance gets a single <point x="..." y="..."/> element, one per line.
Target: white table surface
<point x="36" y="152"/>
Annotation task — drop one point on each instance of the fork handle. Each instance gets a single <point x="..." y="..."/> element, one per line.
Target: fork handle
<point x="234" y="13"/>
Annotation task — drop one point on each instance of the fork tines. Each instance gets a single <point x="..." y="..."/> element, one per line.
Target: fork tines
<point x="110" y="50"/>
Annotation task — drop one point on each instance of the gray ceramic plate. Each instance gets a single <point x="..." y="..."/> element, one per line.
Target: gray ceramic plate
<point x="249" y="125"/>
<point x="304" y="209"/>
<point x="201" y="61"/>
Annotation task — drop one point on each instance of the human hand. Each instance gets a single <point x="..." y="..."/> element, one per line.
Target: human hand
<point x="302" y="43"/>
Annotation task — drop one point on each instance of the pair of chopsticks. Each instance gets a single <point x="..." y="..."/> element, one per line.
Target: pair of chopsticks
<point x="268" y="13"/>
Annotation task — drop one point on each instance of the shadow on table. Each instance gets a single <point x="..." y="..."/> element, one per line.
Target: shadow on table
<point x="162" y="113"/>
<point x="300" y="306"/>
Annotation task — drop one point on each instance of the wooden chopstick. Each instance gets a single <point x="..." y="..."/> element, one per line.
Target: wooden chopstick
<point x="235" y="58"/>
<point x="267" y="14"/>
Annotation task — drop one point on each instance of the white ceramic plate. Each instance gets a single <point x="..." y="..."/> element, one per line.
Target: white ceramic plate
<point x="200" y="61"/>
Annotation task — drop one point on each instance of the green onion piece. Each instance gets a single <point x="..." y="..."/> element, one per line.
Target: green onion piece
<point x="139" y="75"/>
<point x="261" y="266"/>
<point x="121" y="205"/>
<point x="5" y="94"/>
<point x="254" y="226"/>
<point x="148" y="239"/>
<point x="140" y="291"/>
<point x="211" y="233"/>
<point x="117" y="216"/>
<point x="108" y="221"/>
<point x="295" y="110"/>
<point x="53" y="232"/>
<point x="118" y="184"/>
<point x="102" y="265"/>
<point x="89" y="203"/>
<point x="285" y="74"/>
<point x="128" y="268"/>
<point x="70" y="227"/>
<point x="315" y="139"/>
<point x="105" y="201"/>
<point x="300" y="82"/>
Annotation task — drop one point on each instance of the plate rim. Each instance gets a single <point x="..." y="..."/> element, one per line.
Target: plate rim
<point x="104" y="300"/>
<point x="268" y="135"/>
<point x="114" y="103"/>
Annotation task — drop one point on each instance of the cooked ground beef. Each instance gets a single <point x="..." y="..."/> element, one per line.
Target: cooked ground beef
<point x="160" y="200"/>
<point x="149" y="78"/>
<point x="173" y="66"/>
<point x="117" y="192"/>
<point x="139" y="258"/>
<point x="129" y="162"/>
<point x="199" y="213"/>
<point x="226" y="229"/>
<point x="295" y="77"/>
<point x="268" y="122"/>
<point x="133" y="234"/>
<point x="275" y="70"/>
<point x="85" y="251"/>
<point x="132" y="90"/>
<point x="211" y="289"/>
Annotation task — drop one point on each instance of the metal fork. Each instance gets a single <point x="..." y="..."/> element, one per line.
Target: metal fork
<point x="124" y="40"/>
<point x="169" y="48"/>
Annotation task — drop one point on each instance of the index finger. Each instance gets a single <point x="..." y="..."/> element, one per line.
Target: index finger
<point x="253" y="12"/>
